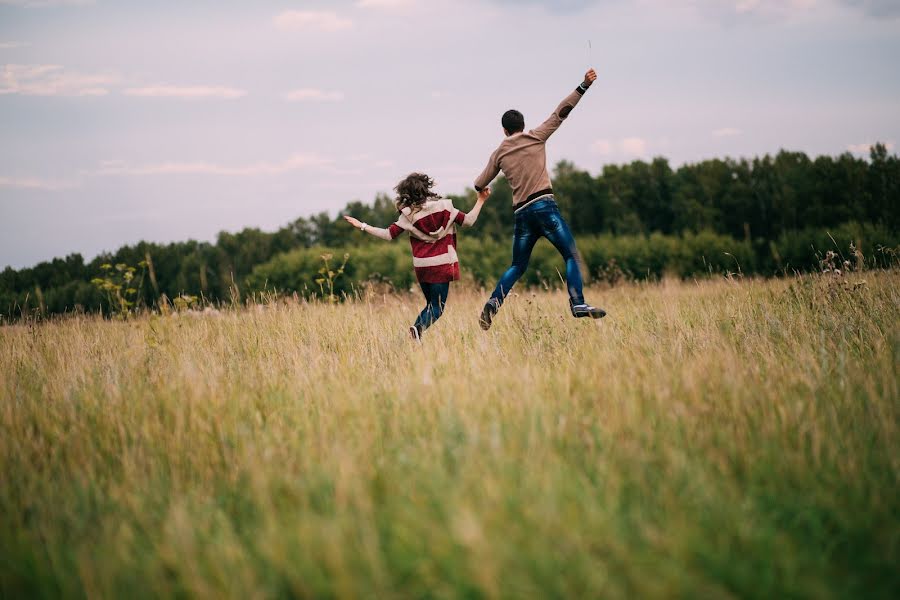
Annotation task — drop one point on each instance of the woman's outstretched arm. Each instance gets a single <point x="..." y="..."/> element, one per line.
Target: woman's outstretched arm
<point x="472" y="215"/>
<point x="378" y="232"/>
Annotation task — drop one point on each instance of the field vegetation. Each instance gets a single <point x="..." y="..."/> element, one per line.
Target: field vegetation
<point x="722" y="438"/>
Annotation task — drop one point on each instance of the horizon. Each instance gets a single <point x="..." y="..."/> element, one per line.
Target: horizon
<point x="333" y="214"/>
<point x="122" y="124"/>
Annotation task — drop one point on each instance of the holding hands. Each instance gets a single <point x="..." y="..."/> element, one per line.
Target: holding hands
<point x="589" y="78"/>
<point x="470" y="218"/>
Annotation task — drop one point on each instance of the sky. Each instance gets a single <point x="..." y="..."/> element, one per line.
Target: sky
<point x="130" y="120"/>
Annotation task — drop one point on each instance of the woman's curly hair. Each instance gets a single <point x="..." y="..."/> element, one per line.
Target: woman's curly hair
<point x="414" y="190"/>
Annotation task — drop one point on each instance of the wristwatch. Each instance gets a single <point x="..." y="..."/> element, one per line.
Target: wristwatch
<point x="363" y="226"/>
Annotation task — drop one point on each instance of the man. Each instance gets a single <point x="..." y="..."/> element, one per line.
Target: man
<point x="523" y="160"/>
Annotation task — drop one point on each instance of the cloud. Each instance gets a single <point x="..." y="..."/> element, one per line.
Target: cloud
<point x="9" y="45"/>
<point x="630" y="146"/>
<point x="384" y="4"/>
<point x="865" y="148"/>
<point x="292" y="163"/>
<point x="34" y="183"/>
<point x="876" y="8"/>
<point x="634" y="146"/>
<point x="556" y="6"/>
<point x="724" y="11"/>
<point x="771" y="6"/>
<point x="727" y="132"/>
<point x="51" y="80"/>
<point x="56" y="80"/>
<point x="45" y="3"/>
<point x="303" y="20"/>
<point x="604" y="147"/>
<point x="189" y="91"/>
<point x="313" y="94"/>
<point x="734" y="12"/>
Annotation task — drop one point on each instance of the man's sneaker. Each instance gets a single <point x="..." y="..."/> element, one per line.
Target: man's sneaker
<point x="487" y="313"/>
<point x="586" y="310"/>
<point x="414" y="333"/>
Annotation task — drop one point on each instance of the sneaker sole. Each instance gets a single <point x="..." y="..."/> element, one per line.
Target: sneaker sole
<point x="485" y="320"/>
<point x="599" y="315"/>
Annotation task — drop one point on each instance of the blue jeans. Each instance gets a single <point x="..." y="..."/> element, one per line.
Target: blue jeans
<point x="435" y="298"/>
<point x="532" y="222"/>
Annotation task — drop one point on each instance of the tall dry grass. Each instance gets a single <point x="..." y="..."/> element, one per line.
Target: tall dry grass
<point x="715" y="439"/>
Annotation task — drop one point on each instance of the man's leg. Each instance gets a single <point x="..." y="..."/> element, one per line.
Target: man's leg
<point x="523" y="243"/>
<point x="557" y="231"/>
<point x="524" y="240"/>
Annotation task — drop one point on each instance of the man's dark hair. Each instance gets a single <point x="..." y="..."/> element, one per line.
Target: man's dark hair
<point x="414" y="190"/>
<point x="513" y="121"/>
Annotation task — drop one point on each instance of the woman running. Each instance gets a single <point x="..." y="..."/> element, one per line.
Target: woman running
<point x="431" y="222"/>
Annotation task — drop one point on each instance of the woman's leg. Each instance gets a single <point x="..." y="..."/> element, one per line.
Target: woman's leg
<point x="435" y="300"/>
<point x="424" y="318"/>
<point x="439" y="293"/>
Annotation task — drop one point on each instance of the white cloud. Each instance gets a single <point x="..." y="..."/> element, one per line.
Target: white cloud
<point x="634" y="146"/>
<point x="384" y="4"/>
<point x="314" y="94"/>
<point x="9" y="45"/>
<point x="604" y="147"/>
<point x="35" y="183"/>
<point x="56" y="80"/>
<point x="866" y="148"/>
<point x="727" y="132"/>
<point x="51" y="80"/>
<point x="771" y="7"/>
<point x="292" y="163"/>
<point x="45" y="3"/>
<point x="876" y="8"/>
<point x="185" y="91"/>
<point x="302" y="20"/>
<point x="751" y="6"/>
<point x="630" y="147"/>
<point x="735" y="11"/>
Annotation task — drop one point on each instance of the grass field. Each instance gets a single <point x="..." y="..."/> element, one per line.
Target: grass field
<point x="710" y="440"/>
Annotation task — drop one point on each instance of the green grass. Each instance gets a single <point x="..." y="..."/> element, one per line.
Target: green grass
<point x="716" y="439"/>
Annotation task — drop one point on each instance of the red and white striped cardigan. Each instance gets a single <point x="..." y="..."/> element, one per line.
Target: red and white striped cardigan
<point x="432" y="235"/>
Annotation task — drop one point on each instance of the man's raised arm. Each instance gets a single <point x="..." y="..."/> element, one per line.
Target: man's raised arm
<point x="546" y="129"/>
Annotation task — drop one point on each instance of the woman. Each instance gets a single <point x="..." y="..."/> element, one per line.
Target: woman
<point x="431" y="224"/>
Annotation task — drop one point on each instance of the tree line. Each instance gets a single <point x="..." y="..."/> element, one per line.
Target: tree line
<point x="766" y="209"/>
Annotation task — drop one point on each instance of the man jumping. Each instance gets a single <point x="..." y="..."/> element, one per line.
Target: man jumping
<point x="523" y="160"/>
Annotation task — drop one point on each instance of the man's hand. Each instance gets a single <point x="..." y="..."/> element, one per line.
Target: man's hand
<point x="355" y="222"/>
<point x="484" y="194"/>
<point x="589" y="78"/>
